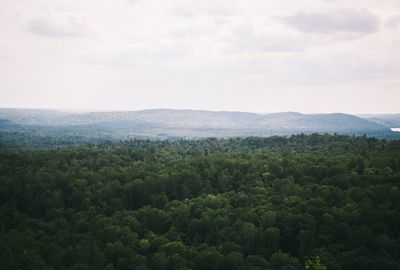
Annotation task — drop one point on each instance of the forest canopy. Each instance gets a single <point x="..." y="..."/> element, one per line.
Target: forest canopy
<point x="300" y="202"/>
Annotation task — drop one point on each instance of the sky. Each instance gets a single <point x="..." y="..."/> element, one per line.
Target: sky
<point x="235" y="55"/>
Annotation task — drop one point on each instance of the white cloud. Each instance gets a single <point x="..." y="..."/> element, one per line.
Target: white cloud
<point x="140" y="56"/>
<point x="250" y="38"/>
<point x="357" y="20"/>
<point x="54" y="23"/>
<point x="204" y="8"/>
<point x="393" y="22"/>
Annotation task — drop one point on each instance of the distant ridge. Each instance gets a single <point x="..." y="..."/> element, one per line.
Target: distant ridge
<point x="387" y="120"/>
<point x="193" y="123"/>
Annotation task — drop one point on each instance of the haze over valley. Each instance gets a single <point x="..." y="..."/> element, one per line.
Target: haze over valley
<point x="188" y="124"/>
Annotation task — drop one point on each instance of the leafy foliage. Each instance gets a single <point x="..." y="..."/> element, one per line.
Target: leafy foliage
<point x="307" y="201"/>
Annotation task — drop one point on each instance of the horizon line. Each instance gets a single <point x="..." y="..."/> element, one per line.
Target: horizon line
<point x="88" y="110"/>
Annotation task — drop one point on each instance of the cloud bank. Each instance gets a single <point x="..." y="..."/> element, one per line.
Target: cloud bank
<point x="357" y="20"/>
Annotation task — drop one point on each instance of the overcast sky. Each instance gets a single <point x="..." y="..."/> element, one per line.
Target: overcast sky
<point x="244" y="55"/>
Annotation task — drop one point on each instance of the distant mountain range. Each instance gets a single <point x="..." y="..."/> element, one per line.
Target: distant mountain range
<point x="196" y="123"/>
<point x="387" y="120"/>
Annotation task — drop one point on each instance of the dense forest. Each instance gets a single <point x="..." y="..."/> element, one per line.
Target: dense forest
<point x="300" y="202"/>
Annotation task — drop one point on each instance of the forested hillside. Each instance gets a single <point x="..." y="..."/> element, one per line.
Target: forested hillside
<point x="388" y="120"/>
<point x="193" y="124"/>
<point x="307" y="201"/>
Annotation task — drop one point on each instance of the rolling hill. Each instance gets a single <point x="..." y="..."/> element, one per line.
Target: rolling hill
<point x="190" y="123"/>
<point x="387" y="120"/>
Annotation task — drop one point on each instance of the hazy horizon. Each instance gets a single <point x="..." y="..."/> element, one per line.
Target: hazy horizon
<point x="83" y="110"/>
